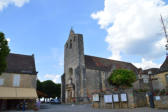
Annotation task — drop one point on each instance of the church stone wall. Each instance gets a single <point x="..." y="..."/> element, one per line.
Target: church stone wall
<point x="96" y="81"/>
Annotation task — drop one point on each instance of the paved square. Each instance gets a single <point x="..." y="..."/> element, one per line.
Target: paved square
<point x="88" y="108"/>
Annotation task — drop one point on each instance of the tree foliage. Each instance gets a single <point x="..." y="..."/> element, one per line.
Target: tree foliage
<point x="39" y="85"/>
<point x="50" y="88"/>
<point x="122" y="78"/>
<point x="4" y="51"/>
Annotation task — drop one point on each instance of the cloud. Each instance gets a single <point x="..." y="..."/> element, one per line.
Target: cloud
<point x="133" y="27"/>
<point x="54" y="78"/>
<point x="145" y="64"/>
<point x="8" y="39"/>
<point x="17" y="3"/>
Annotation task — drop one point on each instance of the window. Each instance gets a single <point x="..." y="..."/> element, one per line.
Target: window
<point x="70" y="44"/>
<point x="167" y="78"/>
<point x="66" y="45"/>
<point x="16" y="80"/>
<point x="1" y="82"/>
<point x="74" y="38"/>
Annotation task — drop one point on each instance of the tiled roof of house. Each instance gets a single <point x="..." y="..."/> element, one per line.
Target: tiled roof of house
<point x="164" y="66"/>
<point x="103" y="64"/>
<point x="23" y="64"/>
<point x="153" y="70"/>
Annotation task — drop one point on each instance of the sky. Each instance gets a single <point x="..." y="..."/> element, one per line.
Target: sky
<point x="126" y="30"/>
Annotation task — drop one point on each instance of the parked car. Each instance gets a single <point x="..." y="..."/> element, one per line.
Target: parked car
<point x="55" y="101"/>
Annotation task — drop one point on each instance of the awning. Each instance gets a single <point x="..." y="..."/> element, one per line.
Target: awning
<point x="17" y="93"/>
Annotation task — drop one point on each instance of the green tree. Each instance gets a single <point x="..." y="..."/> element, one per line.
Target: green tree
<point x="122" y="78"/>
<point x="4" y="51"/>
<point x="51" y="89"/>
<point x="39" y="85"/>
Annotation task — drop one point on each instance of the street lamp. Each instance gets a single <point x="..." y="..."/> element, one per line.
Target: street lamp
<point x="150" y="80"/>
<point x="151" y="90"/>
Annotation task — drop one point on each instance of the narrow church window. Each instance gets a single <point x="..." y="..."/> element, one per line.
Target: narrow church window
<point x="66" y="45"/>
<point x="70" y="44"/>
<point x="74" y="38"/>
<point x="70" y="71"/>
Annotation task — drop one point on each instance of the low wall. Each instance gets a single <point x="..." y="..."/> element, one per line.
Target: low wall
<point x="140" y="99"/>
<point x="129" y="103"/>
<point x="134" y="99"/>
<point x="162" y="103"/>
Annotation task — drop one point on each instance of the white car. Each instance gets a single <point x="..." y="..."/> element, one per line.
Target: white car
<point x="55" y="101"/>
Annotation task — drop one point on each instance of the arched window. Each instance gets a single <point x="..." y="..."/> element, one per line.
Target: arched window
<point x="70" y="71"/>
<point x="70" y="75"/>
<point x="74" y="38"/>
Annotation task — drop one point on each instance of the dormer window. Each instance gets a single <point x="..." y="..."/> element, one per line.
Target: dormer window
<point x="70" y="44"/>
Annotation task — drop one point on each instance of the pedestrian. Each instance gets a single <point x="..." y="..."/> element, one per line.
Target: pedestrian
<point x="23" y="106"/>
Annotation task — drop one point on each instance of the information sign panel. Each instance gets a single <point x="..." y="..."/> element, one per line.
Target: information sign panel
<point x="115" y="98"/>
<point x="157" y="98"/>
<point x="108" y="98"/>
<point x="124" y="97"/>
<point x="96" y="97"/>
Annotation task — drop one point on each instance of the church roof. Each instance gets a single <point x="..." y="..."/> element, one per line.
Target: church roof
<point x="164" y="66"/>
<point x="23" y="64"/>
<point x="103" y="64"/>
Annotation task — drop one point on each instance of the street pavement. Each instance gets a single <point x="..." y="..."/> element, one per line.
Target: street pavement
<point x="87" y="108"/>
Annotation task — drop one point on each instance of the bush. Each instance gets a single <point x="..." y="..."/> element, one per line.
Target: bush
<point x="122" y="78"/>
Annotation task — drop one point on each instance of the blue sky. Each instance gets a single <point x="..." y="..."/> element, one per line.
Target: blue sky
<point x="41" y="27"/>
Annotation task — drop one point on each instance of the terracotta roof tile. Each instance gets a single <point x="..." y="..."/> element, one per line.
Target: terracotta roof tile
<point x="164" y="66"/>
<point x="103" y="64"/>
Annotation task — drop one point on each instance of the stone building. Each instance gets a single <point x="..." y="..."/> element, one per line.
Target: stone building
<point x="18" y="82"/>
<point x="162" y="76"/>
<point x="85" y="74"/>
<point x="159" y="77"/>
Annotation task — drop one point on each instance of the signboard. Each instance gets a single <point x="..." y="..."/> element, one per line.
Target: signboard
<point x="108" y="98"/>
<point x="115" y="98"/>
<point x="157" y="98"/>
<point x="124" y="97"/>
<point x="96" y="97"/>
<point x="145" y="80"/>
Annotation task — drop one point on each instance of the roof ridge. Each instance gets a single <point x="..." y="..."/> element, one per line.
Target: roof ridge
<point x="109" y="59"/>
<point x="20" y="54"/>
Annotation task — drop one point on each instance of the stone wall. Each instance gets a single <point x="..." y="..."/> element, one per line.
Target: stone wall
<point x="134" y="99"/>
<point x="162" y="103"/>
<point x="63" y="88"/>
<point x="26" y="80"/>
<point x="130" y="103"/>
<point x="96" y="81"/>
<point x="140" y="99"/>
<point x="162" y="80"/>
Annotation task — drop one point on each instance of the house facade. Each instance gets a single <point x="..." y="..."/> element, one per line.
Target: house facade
<point x="18" y="82"/>
<point x="163" y="74"/>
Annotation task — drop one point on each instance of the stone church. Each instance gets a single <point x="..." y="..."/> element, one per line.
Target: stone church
<point x="84" y="74"/>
